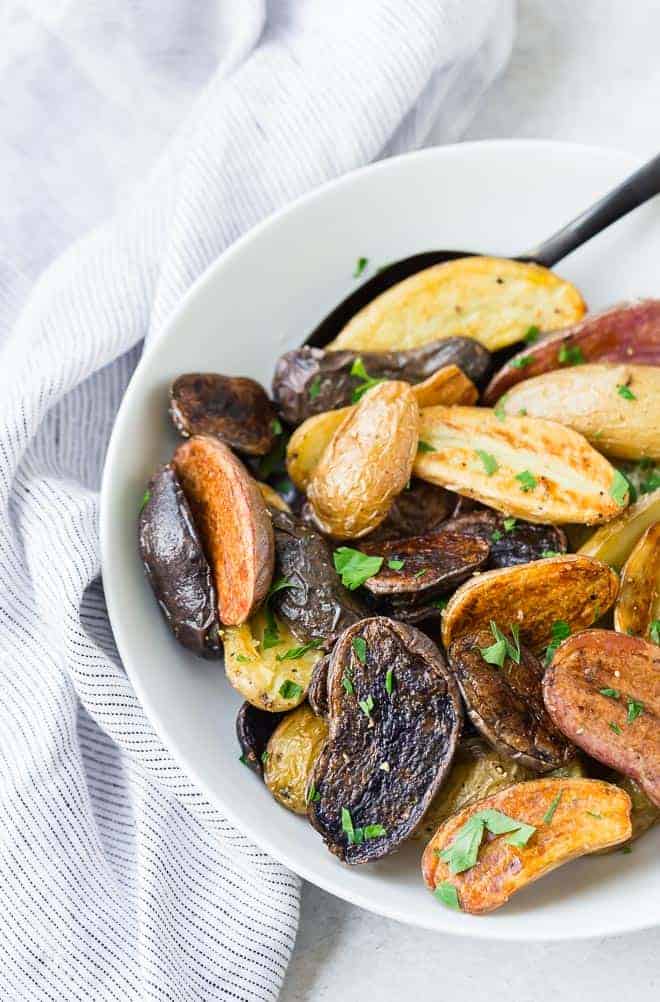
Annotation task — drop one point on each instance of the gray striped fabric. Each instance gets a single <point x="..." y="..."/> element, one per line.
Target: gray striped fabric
<point x="120" y="881"/>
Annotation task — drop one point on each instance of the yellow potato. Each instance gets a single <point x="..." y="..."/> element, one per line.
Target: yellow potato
<point x="569" y="588"/>
<point x="291" y="753"/>
<point x="596" y="401"/>
<point x="571" y="817"/>
<point x="534" y="469"/>
<point x="272" y="498"/>
<point x="367" y="462"/>
<point x="638" y="604"/>
<point x="493" y="300"/>
<point x="613" y="543"/>
<point x="307" y="444"/>
<point x="257" y="673"/>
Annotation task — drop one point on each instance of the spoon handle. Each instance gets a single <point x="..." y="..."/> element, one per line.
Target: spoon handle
<point x="634" y="191"/>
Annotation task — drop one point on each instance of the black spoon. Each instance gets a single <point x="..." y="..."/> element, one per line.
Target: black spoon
<point x="637" y="189"/>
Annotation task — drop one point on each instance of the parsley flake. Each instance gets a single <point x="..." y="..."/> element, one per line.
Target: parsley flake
<point x="290" y="690"/>
<point x="489" y="461"/>
<point x="463" y="851"/>
<point x="440" y="603"/>
<point x="347" y="683"/>
<point x="531" y="334"/>
<point x="651" y="484"/>
<point x="297" y="652"/>
<point x="592" y="814"/>
<point x="550" y="813"/>
<point x="610" y="693"/>
<point x="271" y="637"/>
<point x="395" y="564"/>
<point x="570" y="355"/>
<point x="509" y="524"/>
<point x="358" y="370"/>
<point x="314" y="388"/>
<point x="276" y="426"/>
<point x="447" y="893"/>
<point x="243" y="659"/>
<point x="495" y="535"/>
<point x="313" y="795"/>
<point x="559" y="631"/>
<point x="374" y="831"/>
<point x="389" y="681"/>
<point x="424" y="447"/>
<point x="635" y="710"/>
<point x="359" y="646"/>
<point x="243" y="759"/>
<point x="614" y="727"/>
<point x="654" y="631"/>
<point x="521" y="361"/>
<point x="625" y="392"/>
<point x="498" y="409"/>
<point x="366" y="705"/>
<point x="145" y="499"/>
<point x="527" y="481"/>
<point x="619" y="489"/>
<point x="421" y="573"/>
<point x="550" y="553"/>
<point x="355" y="567"/>
<point x="497" y="653"/>
<point x="360" y="265"/>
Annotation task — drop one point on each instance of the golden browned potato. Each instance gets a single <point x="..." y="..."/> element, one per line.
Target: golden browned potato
<point x="638" y="604"/>
<point x="613" y="543"/>
<point x="615" y="406"/>
<point x="367" y="463"/>
<point x="572" y="589"/>
<point x="290" y="755"/>
<point x="448" y="385"/>
<point x="568" y="818"/>
<point x="272" y="677"/>
<point x="534" y="469"/>
<point x="494" y="300"/>
<point x="310" y="439"/>
<point x="477" y="771"/>
<point x="233" y="521"/>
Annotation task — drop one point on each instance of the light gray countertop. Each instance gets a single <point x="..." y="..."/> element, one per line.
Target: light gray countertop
<point x="585" y="71"/>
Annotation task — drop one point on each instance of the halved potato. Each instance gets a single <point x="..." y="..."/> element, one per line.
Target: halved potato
<point x="571" y="817"/>
<point x="367" y="463"/>
<point x="613" y="543"/>
<point x="264" y="676"/>
<point x="570" y="588"/>
<point x="615" y="406"/>
<point x="310" y="439"/>
<point x="534" y="469"/>
<point x="290" y="756"/>
<point x="638" y="604"/>
<point x="234" y="523"/>
<point x="494" y="300"/>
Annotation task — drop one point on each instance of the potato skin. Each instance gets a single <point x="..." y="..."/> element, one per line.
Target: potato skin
<point x="329" y="372"/>
<point x="419" y="509"/>
<point x="502" y="869"/>
<point x="627" y="332"/>
<point x="256" y="673"/>
<point x="413" y="731"/>
<point x="587" y="399"/>
<point x="367" y="463"/>
<point x="602" y="659"/>
<point x="506" y="704"/>
<point x="572" y="588"/>
<point x="494" y="300"/>
<point x="432" y="564"/>
<point x="234" y="523"/>
<point x="571" y="481"/>
<point x="290" y="755"/>
<point x="613" y="543"/>
<point x="233" y="408"/>
<point x="638" y="604"/>
<point x="176" y="566"/>
<point x="525" y="542"/>
<point x="253" y="730"/>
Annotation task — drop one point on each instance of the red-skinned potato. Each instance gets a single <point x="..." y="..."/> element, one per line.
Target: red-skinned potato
<point x="602" y="689"/>
<point x="628" y="332"/>
<point x="570" y="818"/>
<point x="234" y="523"/>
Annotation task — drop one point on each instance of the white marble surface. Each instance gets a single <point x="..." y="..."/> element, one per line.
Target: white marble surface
<point x="586" y="71"/>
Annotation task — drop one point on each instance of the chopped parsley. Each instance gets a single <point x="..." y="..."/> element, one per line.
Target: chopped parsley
<point x="619" y="489"/>
<point x="389" y="681"/>
<point x="447" y="893"/>
<point x="497" y="653"/>
<point x="395" y="564"/>
<point x="347" y="682"/>
<point x="297" y="652"/>
<point x="531" y="334"/>
<point x="463" y="851"/>
<point x="421" y="573"/>
<point x="627" y="849"/>
<point x="489" y="461"/>
<point x="358" y="370"/>
<point x="315" y="387"/>
<point x="366" y="705"/>
<point x="495" y="535"/>
<point x="360" y="265"/>
<point x="278" y="585"/>
<point x="610" y="693"/>
<point x="550" y="553"/>
<point x="243" y="759"/>
<point x="521" y="361"/>
<point x="592" y="814"/>
<point x="635" y="710"/>
<point x="313" y="795"/>
<point x="424" y="447"/>
<point x="651" y="484"/>
<point x="359" y="646"/>
<point x="559" y="631"/>
<point x="570" y="355"/>
<point x="264" y="757"/>
<point x="625" y="392"/>
<point x="614" y="727"/>
<point x="440" y="603"/>
<point x="356" y="836"/>
<point x="550" y="813"/>
<point x="290" y="690"/>
<point x="654" y="632"/>
<point x="527" y="481"/>
<point x="276" y="426"/>
<point x="374" y="831"/>
<point x="355" y="567"/>
<point x="498" y="410"/>
<point x="509" y="524"/>
<point x="243" y="659"/>
<point x="271" y="637"/>
<point x="145" y="499"/>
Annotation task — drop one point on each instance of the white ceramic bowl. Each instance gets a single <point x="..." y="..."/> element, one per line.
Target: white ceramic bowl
<point x="261" y="298"/>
